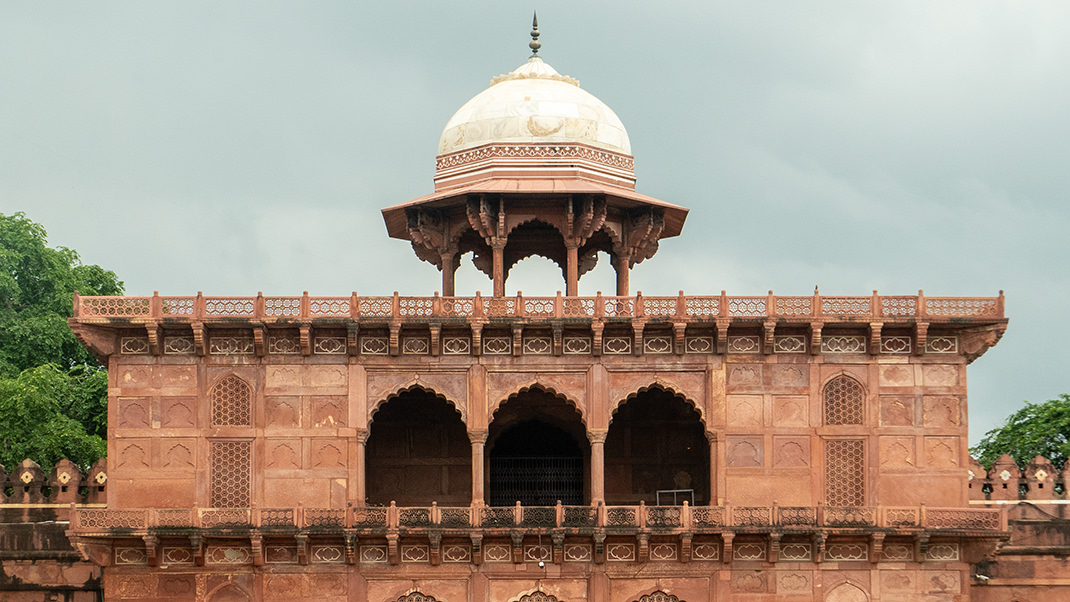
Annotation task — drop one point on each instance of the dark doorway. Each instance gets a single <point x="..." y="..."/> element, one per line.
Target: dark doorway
<point x="537" y="452"/>
<point x="656" y="442"/>
<point x="418" y="452"/>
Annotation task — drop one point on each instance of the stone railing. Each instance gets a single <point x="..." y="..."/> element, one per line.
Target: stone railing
<point x="535" y="518"/>
<point x="680" y="307"/>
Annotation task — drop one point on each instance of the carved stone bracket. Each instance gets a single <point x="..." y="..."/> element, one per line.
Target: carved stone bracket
<point x="727" y="538"/>
<point x="876" y="547"/>
<point x="306" y="339"/>
<point x="875" y="337"/>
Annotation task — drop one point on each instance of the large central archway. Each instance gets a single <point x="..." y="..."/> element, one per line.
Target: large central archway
<point x="537" y="452"/>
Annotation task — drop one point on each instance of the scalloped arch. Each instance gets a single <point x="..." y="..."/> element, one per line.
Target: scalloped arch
<point x="415" y="385"/>
<point x="658" y="596"/>
<point x="664" y="385"/>
<point x="534" y="384"/>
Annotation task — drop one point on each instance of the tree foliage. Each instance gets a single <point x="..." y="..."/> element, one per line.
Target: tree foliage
<point x="53" y="393"/>
<point x="1038" y="429"/>
<point x="37" y="285"/>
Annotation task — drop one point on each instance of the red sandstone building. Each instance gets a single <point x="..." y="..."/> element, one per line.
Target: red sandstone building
<point x="532" y="449"/>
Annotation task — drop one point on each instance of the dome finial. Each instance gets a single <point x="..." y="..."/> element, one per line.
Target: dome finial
<point x="534" y="44"/>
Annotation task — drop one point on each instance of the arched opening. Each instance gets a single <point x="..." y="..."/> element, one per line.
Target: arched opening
<point x="418" y="452"/>
<point x="537" y="452"/>
<point x="656" y="442"/>
<point x="600" y="277"/>
<point x="535" y="238"/>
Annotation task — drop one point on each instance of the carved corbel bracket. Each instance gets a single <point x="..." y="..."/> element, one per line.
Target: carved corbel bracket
<point x="152" y="549"/>
<point x="351" y="547"/>
<point x="815" y="337"/>
<point x="477" y="338"/>
<point x="974" y="342"/>
<point x="518" y="339"/>
<point x="99" y="554"/>
<point x="769" y="329"/>
<point x="722" y="335"/>
<point x="644" y="231"/>
<point x="558" y="540"/>
<point x="726" y="551"/>
<point x="200" y="339"/>
<point x="352" y="338"/>
<point x="306" y="339"/>
<point x="436" y="339"/>
<point x="392" y="551"/>
<point x="435" y="542"/>
<point x="257" y="544"/>
<point x="596" y="338"/>
<point x="477" y="549"/>
<point x="921" y="336"/>
<point x="685" y="547"/>
<point x="921" y="547"/>
<point x="876" y="547"/>
<point x="197" y="543"/>
<point x="260" y="340"/>
<point x="517" y="538"/>
<point x="155" y="334"/>
<point x="637" y="328"/>
<point x="302" y="548"/>
<point x="679" y="330"/>
<point x="395" y="339"/>
<point x="600" y="547"/>
<point x="428" y="230"/>
<point x="819" y="546"/>
<point x="875" y="337"/>
<point x="643" y="549"/>
<point x="101" y="342"/>
<point x="558" y="336"/>
<point x="774" y="547"/>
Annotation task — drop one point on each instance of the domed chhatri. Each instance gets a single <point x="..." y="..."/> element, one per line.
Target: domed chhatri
<point x="534" y="165"/>
<point x="533" y="104"/>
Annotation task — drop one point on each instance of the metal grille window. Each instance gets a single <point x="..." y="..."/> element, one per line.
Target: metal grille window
<point x="536" y="481"/>
<point x="844" y="401"/>
<point x="231" y="402"/>
<point x="231" y="463"/>
<point x="845" y="470"/>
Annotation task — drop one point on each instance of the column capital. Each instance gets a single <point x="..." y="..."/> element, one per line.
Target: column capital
<point x="479" y="437"/>
<point x="362" y="436"/>
<point x="597" y="436"/>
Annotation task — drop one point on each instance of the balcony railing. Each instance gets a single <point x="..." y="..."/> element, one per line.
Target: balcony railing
<point x="609" y="518"/>
<point x="396" y="307"/>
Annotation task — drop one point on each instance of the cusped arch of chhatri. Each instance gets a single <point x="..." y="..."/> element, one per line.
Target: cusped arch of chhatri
<point x="534" y="104"/>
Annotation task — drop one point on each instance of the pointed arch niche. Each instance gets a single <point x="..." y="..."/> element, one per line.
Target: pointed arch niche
<point x="537" y="452"/>
<point x="418" y="452"/>
<point x="656" y="441"/>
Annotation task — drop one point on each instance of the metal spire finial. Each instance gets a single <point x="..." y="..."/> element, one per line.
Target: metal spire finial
<point x="534" y="44"/>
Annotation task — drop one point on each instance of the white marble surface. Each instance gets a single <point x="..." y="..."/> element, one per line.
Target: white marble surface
<point x="534" y="104"/>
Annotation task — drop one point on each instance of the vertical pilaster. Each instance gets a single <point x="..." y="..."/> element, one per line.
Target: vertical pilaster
<point x="498" y="273"/>
<point x="572" y="270"/>
<point x="360" y="471"/>
<point x="622" y="264"/>
<point x="479" y="440"/>
<point x="598" y="466"/>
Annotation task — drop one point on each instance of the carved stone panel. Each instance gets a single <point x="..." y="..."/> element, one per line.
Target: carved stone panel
<point x="178" y="412"/>
<point x="748" y="375"/>
<point x="283" y="412"/>
<point x="897" y="375"/>
<point x="941" y="376"/>
<point x="790" y="410"/>
<point x="897" y="453"/>
<point x="942" y="452"/>
<point x="329" y="411"/>
<point x="790" y="375"/>
<point x="745" y="451"/>
<point x="941" y="411"/>
<point x="897" y="410"/>
<point x="283" y="454"/>
<point x="328" y="453"/>
<point x="177" y="454"/>
<point x="745" y="410"/>
<point x="134" y="412"/>
<point x="791" y="452"/>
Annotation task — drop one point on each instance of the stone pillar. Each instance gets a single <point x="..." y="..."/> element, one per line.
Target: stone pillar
<point x="714" y="499"/>
<point x="360" y="483"/>
<point x="572" y="271"/>
<point x="498" y="273"/>
<point x="449" y="270"/>
<point x="478" y="439"/>
<point x="598" y="466"/>
<point x="621" y="264"/>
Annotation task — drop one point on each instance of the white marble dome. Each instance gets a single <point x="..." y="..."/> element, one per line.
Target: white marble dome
<point x="534" y="104"/>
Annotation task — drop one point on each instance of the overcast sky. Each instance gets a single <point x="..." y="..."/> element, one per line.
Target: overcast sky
<point x="235" y="147"/>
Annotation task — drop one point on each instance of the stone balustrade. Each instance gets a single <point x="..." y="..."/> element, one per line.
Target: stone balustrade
<point x="680" y="307"/>
<point x="582" y="519"/>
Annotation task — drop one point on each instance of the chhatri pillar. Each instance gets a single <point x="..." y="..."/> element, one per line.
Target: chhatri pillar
<point x="534" y="165"/>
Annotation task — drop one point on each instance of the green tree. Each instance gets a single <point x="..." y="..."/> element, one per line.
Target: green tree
<point x="41" y="409"/>
<point x="53" y="393"/>
<point x="1038" y="429"/>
